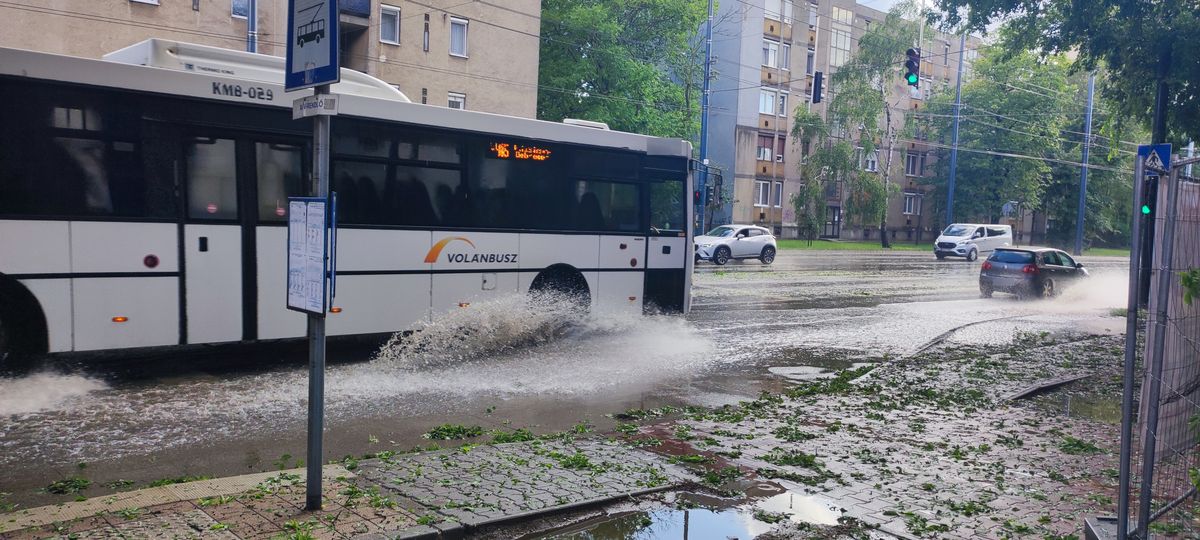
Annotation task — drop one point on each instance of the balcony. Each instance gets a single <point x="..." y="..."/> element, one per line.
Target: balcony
<point x="359" y="8"/>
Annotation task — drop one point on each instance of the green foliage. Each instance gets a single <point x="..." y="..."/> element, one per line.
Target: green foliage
<point x="635" y="64"/>
<point x="178" y="480"/>
<point x="450" y="432"/>
<point x="1127" y="38"/>
<point x="69" y="486"/>
<point x="1020" y="103"/>
<point x="1190" y="280"/>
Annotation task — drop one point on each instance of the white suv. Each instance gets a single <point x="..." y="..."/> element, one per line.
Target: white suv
<point x="736" y="242"/>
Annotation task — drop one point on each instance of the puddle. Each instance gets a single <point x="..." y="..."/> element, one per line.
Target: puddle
<point x="711" y="517"/>
<point x="808" y="363"/>
<point x="1105" y="409"/>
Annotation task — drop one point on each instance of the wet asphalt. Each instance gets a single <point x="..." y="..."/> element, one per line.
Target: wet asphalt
<point x="752" y="328"/>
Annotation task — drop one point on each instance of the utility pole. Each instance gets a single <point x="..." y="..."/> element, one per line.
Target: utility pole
<point x="704" y="117"/>
<point x="1158" y="135"/>
<point x="962" y="52"/>
<point x="1083" y="169"/>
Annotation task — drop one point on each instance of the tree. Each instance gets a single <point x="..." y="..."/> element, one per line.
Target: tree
<point x="631" y="63"/>
<point x="1135" y="40"/>
<point x="1003" y="117"/>
<point x="859" y="114"/>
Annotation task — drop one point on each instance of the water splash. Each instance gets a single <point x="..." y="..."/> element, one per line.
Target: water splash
<point x="482" y="330"/>
<point x="496" y="350"/>
<point x="44" y="391"/>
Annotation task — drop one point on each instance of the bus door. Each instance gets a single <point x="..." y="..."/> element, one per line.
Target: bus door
<point x="223" y="174"/>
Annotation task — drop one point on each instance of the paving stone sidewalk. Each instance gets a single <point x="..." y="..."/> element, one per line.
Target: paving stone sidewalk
<point x="926" y="447"/>
<point x="428" y="494"/>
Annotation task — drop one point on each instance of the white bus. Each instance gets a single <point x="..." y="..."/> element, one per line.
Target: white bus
<point x="143" y="197"/>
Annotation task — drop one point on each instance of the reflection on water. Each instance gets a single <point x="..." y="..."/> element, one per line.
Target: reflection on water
<point x="741" y="521"/>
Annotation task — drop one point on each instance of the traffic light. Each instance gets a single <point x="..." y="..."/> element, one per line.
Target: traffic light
<point x="818" y="85"/>
<point x="696" y="197"/>
<point x="912" y="67"/>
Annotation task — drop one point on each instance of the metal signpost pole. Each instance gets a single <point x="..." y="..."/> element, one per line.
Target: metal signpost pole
<point x="1131" y="323"/>
<point x="704" y="118"/>
<point x="313" y="62"/>
<point x="316" y="330"/>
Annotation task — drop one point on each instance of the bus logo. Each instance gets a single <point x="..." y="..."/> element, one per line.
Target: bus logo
<point x="467" y="258"/>
<point x="436" y="250"/>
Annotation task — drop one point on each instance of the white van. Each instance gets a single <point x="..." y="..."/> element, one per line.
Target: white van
<point x="970" y="239"/>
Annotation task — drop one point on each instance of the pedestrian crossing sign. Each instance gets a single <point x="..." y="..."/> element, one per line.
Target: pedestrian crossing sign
<point x="1158" y="156"/>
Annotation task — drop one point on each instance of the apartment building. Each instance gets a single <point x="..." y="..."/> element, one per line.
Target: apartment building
<point x="766" y="55"/>
<point x="475" y="55"/>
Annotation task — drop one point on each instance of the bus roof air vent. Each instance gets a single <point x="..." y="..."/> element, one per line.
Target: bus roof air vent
<point x="585" y="123"/>
<point x="203" y="59"/>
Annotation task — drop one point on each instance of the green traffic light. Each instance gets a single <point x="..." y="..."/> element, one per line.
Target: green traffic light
<point x="911" y="78"/>
<point x="1146" y="209"/>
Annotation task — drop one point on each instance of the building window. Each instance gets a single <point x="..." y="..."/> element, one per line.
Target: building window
<point x="773" y="9"/>
<point x="389" y="24"/>
<point x="780" y="147"/>
<point x="778" y="201"/>
<point x="946" y="54"/>
<point x="457" y="101"/>
<point x="785" y="57"/>
<point x="458" y="37"/>
<point x="764" y="147"/>
<point x="783" y="106"/>
<point x="812" y="15"/>
<point x="868" y="162"/>
<point x="839" y="36"/>
<point x="770" y="55"/>
<point x="151" y="2"/>
<point x="238" y="8"/>
<point x="766" y="101"/>
<point x="762" y="192"/>
<point x="912" y="204"/>
<point x="425" y="39"/>
<point x="912" y="165"/>
<point x="810" y="63"/>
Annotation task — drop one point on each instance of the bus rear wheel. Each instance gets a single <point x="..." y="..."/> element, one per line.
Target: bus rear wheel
<point x="563" y="283"/>
<point x="22" y="330"/>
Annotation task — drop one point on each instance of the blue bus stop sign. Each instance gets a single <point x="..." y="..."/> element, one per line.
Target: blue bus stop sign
<point x="312" y="46"/>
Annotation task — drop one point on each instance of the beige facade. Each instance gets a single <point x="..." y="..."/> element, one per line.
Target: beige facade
<point x="493" y="67"/>
<point x="782" y="44"/>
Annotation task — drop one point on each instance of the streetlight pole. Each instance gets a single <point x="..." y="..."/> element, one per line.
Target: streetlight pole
<point x="704" y="117"/>
<point x="1087" y="144"/>
<point x="962" y="51"/>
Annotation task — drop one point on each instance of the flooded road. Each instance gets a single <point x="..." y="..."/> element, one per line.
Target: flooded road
<point x="507" y="365"/>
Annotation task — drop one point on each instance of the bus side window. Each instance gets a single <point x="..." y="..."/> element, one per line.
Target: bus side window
<point x="667" y="208"/>
<point x="73" y="154"/>
<point x="280" y="171"/>
<point x="211" y="178"/>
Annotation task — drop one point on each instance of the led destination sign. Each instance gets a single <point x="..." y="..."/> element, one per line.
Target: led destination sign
<point x="517" y="151"/>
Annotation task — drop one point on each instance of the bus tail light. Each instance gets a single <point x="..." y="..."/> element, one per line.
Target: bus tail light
<point x="120" y="319"/>
<point x="335" y="309"/>
<point x="464" y="304"/>
<point x="632" y="298"/>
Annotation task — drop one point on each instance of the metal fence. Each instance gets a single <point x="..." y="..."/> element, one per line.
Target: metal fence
<point x="1160" y="445"/>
